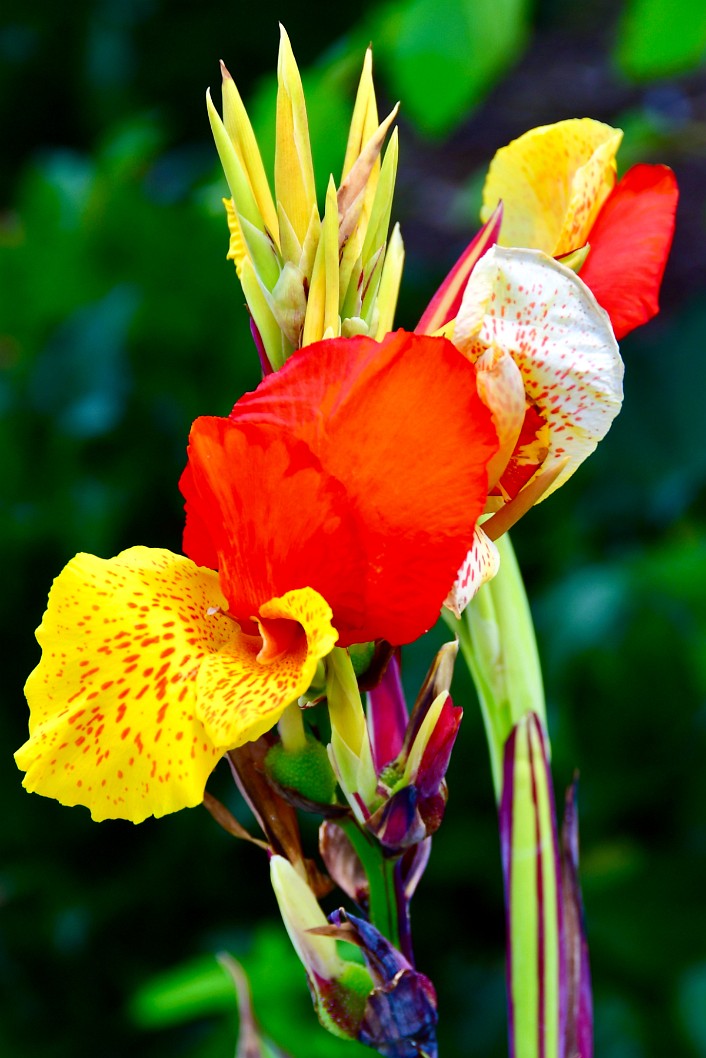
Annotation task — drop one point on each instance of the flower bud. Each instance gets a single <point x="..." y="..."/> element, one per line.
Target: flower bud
<point x="339" y="988"/>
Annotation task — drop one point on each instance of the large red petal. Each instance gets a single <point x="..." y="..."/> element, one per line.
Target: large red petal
<point x="630" y="242"/>
<point x="272" y="513"/>
<point x="197" y="543"/>
<point x="375" y="506"/>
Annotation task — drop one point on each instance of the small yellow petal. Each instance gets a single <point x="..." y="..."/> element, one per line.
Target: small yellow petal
<point x="390" y="284"/>
<point x="238" y="127"/>
<point x="552" y="182"/>
<point x="365" y="115"/>
<point x="237" y="250"/>
<point x="502" y="390"/>
<point x="113" y="722"/>
<point x="294" y="170"/>
<point x="247" y="685"/>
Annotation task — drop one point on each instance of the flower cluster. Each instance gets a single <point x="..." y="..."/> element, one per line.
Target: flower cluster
<point x="335" y="511"/>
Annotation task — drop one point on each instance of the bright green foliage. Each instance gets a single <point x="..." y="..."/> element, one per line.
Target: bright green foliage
<point x="442" y="56"/>
<point x="658" y="38"/>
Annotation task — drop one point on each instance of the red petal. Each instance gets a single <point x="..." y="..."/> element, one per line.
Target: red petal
<point x="197" y="543"/>
<point x="358" y="469"/>
<point x="271" y="513"/>
<point x="630" y="243"/>
<point x="445" y="304"/>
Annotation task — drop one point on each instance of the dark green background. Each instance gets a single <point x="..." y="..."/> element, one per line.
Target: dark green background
<point x="120" y="320"/>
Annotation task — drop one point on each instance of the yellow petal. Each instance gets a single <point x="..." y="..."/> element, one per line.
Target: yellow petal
<point x="247" y="685"/>
<point x="322" y="304"/>
<point x="113" y="721"/>
<point x="237" y="250"/>
<point x="238" y="127"/>
<point x="390" y="284"/>
<point x="365" y="115"/>
<point x="294" y="170"/>
<point x="552" y="182"/>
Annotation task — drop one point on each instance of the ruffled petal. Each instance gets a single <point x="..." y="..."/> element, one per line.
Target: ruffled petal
<point x="480" y="565"/>
<point x="630" y="244"/>
<point x="113" y="719"/>
<point x="552" y="182"/>
<point x="548" y="320"/>
<point x="246" y="686"/>
<point x="367" y="463"/>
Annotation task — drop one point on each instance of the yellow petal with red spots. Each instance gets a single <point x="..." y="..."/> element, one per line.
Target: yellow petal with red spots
<point x="547" y="319"/>
<point x="113" y="722"/>
<point x="246" y="686"/>
<point x="552" y="182"/>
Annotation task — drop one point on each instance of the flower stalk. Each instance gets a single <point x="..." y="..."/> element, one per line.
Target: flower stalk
<point x="497" y="641"/>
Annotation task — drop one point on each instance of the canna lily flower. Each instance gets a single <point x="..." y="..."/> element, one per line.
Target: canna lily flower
<point x="305" y="275"/>
<point x="329" y="517"/>
<point x="558" y="187"/>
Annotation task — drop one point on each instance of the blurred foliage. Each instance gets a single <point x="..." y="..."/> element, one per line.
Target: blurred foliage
<point x="202" y="987"/>
<point x="120" y="321"/>
<point x="661" y="37"/>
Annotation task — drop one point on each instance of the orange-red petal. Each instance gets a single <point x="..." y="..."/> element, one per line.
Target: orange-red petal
<point x="630" y="243"/>
<point x="365" y="465"/>
<point x="276" y="520"/>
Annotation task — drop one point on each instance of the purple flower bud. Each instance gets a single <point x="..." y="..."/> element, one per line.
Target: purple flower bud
<point x="399" y="1019"/>
<point x="412" y="786"/>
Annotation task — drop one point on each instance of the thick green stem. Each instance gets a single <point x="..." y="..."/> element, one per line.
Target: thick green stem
<point x="497" y="641"/>
<point x="380" y="872"/>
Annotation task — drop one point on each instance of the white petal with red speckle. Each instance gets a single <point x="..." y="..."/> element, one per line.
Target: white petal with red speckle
<point x="481" y="564"/>
<point x="560" y="338"/>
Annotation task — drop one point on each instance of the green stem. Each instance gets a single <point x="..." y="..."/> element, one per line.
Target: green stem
<point x="380" y="872"/>
<point x="291" y="729"/>
<point x="497" y="641"/>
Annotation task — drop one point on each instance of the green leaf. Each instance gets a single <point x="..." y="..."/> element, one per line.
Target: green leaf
<point x="442" y="56"/>
<point x="194" y="989"/>
<point x="657" y="38"/>
<point x="281" y="1001"/>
